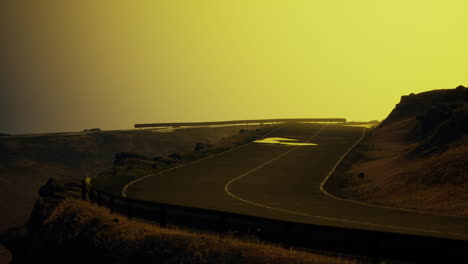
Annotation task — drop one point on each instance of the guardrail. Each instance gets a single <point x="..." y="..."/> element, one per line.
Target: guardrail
<point x="375" y="244"/>
<point x="237" y="122"/>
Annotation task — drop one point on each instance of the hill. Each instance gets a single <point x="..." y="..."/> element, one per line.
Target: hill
<point x="417" y="158"/>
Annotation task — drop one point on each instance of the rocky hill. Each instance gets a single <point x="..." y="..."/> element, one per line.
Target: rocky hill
<point x="439" y="118"/>
<point x="417" y="158"/>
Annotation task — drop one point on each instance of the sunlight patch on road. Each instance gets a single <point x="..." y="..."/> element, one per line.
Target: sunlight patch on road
<point x="283" y="141"/>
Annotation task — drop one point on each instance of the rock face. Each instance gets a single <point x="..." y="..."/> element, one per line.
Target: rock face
<point x="49" y="196"/>
<point x="416" y="105"/>
<point x="51" y="187"/>
<point x="441" y="127"/>
<point x="439" y="118"/>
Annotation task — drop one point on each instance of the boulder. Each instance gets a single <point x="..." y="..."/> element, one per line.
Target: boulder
<point x="175" y="156"/>
<point x="201" y="146"/>
<point x="123" y="158"/>
<point x="51" y="188"/>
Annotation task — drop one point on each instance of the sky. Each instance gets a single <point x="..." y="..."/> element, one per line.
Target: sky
<point x="71" y="65"/>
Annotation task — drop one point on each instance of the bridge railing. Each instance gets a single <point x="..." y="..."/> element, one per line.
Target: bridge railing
<point x="375" y="244"/>
<point x="239" y="122"/>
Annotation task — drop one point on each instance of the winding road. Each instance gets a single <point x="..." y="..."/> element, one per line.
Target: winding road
<point x="284" y="181"/>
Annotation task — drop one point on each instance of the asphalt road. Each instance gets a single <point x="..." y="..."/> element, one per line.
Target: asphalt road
<point x="283" y="182"/>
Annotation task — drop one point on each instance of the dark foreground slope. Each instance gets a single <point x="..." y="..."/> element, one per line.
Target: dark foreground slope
<point x="64" y="229"/>
<point x="417" y="158"/>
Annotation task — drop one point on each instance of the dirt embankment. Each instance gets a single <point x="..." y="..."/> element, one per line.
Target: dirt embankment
<point x="64" y="229"/>
<point x="416" y="159"/>
<point x="26" y="162"/>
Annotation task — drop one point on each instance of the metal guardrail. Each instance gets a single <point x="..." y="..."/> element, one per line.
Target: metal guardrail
<point x="375" y="244"/>
<point x="235" y="122"/>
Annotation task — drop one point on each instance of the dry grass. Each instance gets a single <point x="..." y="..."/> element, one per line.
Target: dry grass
<point x="392" y="177"/>
<point x="75" y="222"/>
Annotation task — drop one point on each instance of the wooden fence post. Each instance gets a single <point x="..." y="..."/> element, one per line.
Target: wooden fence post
<point x="129" y="209"/>
<point x="111" y="204"/>
<point x="83" y="189"/>
<point x="99" y="198"/>
<point x="222" y="223"/>
<point x="163" y="220"/>
<point x="374" y="248"/>
<point x="91" y="194"/>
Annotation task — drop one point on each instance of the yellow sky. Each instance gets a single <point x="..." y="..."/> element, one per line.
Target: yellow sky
<point x="70" y="65"/>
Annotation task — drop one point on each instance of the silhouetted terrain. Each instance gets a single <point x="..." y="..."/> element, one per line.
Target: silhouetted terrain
<point x="26" y="162"/>
<point x="65" y="229"/>
<point x="417" y="158"/>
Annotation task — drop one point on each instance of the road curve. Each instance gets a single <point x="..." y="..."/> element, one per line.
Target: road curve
<point x="284" y="182"/>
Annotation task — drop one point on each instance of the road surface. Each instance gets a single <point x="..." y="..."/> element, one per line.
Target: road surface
<point x="282" y="181"/>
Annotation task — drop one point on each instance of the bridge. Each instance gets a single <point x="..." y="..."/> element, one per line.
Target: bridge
<point x="238" y="122"/>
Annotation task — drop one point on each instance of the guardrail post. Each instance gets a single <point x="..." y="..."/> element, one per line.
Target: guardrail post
<point x="287" y="231"/>
<point x="375" y="249"/>
<point x="163" y="220"/>
<point x="83" y="189"/>
<point x="91" y="194"/>
<point x="222" y="223"/>
<point x="111" y="204"/>
<point x="99" y="198"/>
<point x="129" y="209"/>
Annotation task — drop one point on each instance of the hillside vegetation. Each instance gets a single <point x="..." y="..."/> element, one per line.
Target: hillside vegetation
<point x="64" y="229"/>
<point x="416" y="159"/>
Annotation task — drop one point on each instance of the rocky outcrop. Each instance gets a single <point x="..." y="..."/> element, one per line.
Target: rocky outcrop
<point x="201" y="146"/>
<point x="441" y="127"/>
<point x="125" y="158"/>
<point x="414" y="105"/>
<point x="49" y="197"/>
<point x="438" y="119"/>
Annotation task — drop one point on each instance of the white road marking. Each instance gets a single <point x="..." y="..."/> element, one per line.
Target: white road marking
<point x="226" y="189"/>
<point x="125" y="188"/>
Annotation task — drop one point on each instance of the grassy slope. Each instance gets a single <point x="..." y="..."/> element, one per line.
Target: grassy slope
<point x="77" y="226"/>
<point x="392" y="167"/>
